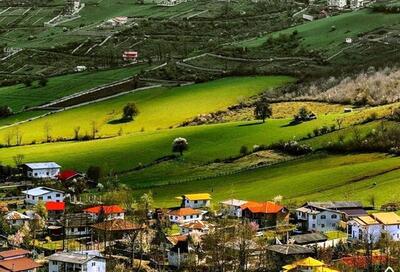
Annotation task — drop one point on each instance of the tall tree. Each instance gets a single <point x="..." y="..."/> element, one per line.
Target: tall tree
<point x="179" y="145"/>
<point x="262" y="110"/>
<point x="130" y="111"/>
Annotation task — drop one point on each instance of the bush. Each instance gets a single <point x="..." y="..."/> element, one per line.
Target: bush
<point x="292" y="148"/>
<point x="244" y="150"/>
<point x="5" y="111"/>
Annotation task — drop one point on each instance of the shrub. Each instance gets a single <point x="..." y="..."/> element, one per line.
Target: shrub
<point x="243" y="150"/>
<point x="292" y="148"/>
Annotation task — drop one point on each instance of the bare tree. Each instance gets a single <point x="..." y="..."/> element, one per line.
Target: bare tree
<point x="8" y="138"/>
<point x="47" y="131"/>
<point x="95" y="129"/>
<point x="18" y="159"/>
<point x="76" y="132"/>
<point x="18" y="136"/>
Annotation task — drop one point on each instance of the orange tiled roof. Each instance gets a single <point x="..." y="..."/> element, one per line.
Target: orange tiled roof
<point x="13" y="253"/>
<point x="184" y="211"/>
<point x="262" y="207"/>
<point x="107" y="209"/>
<point x="19" y="264"/>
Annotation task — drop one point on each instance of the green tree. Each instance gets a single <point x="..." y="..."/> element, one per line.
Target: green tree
<point x="262" y="110"/>
<point x="130" y="111"/>
<point x="179" y="145"/>
<point x="43" y="81"/>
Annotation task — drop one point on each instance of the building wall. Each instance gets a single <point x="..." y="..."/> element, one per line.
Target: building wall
<point x="195" y="203"/>
<point x="362" y="233"/>
<point x="185" y="219"/>
<point x="323" y="221"/>
<point x="393" y="231"/>
<point x="51" y="196"/>
<point x="233" y="211"/>
<point x="43" y="173"/>
<point x="175" y="259"/>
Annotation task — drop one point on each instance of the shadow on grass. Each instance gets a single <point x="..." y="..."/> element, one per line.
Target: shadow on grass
<point x="251" y="124"/>
<point x="119" y="121"/>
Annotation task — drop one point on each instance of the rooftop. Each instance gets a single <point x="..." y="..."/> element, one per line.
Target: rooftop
<point x="387" y="218"/>
<point x="106" y="209"/>
<point x="13" y="253"/>
<point x="290" y="249"/>
<point x="262" y="207"/>
<point x="71" y="257"/>
<point x="192" y="197"/>
<point x="116" y="225"/>
<point x="19" y="264"/>
<point x="67" y="174"/>
<point x="184" y="211"/>
<point x="14" y="215"/>
<point x="366" y="220"/>
<point x="336" y="204"/>
<point x="55" y="206"/>
<point x="309" y="238"/>
<point x="234" y="202"/>
<point x="42" y="165"/>
<point x="38" y="191"/>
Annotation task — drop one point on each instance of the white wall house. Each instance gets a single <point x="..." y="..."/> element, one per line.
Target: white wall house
<point x="199" y="227"/>
<point x="45" y="194"/>
<point x="195" y="201"/>
<point x="371" y="227"/>
<point x="318" y="219"/>
<point x="74" y="261"/>
<point x="185" y="215"/>
<point x="16" y="219"/>
<point x="337" y="4"/>
<point x="111" y="212"/>
<point x="232" y="207"/>
<point x="41" y="170"/>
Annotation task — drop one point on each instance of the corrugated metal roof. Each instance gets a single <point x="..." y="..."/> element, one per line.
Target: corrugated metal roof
<point x="38" y="191"/>
<point x="69" y="257"/>
<point x="234" y="202"/>
<point x="42" y="165"/>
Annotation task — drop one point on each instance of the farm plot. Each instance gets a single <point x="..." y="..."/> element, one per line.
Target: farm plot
<point x="159" y="108"/>
<point x="19" y="96"/>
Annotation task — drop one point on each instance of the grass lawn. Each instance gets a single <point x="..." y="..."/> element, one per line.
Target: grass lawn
<point x="19" y="96"/>
<point x="319" y="35"/>
<point x="159" y="108"/>
<point x="21" y="116"/>
<point x="206" y="142"/>
<point x="320" y="177"/>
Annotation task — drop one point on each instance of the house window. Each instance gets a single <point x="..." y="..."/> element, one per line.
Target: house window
<point x="191" y="216"/>
<point x="334" y="225"/>
<point x="58" y="195"/>
<point x="47" y="173"/>
<point x="184" y="217"/>
<point x="322" y="225"/>
<point x="195" y="202"/>
<point x="54" y="262"/>
<point x="93" y="264"/>
<point x="40" y="197"/>
<point x="49" y="197"/>
<point x="36" y="174"/>
<point x="333" y="216"/>
<point x="313" y="226"/>
<point x="171" y="217"/>
<point x="323" y="216"/>
<point x="314" y="217"/>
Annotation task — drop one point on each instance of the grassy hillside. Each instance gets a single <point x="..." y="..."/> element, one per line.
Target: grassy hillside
<point x="207" y="143"/>
<point x="313" y="178"/>
<point x="320" y="35"/>
<point x="19" y="96"/>
<point x="159" y="108"/>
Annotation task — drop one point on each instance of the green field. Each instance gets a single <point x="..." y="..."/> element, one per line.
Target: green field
<point x="320" y="177"/>
<point x="159" y="108"/>
<point x="319" y="34"/>
<point x="19" y="96"/>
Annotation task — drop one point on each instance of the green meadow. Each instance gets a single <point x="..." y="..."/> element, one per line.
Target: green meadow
<point x="346" y="25"/>
<point x="19" y="96"/>
<point x="319" y="177"/>
<point x="159" y="108"/>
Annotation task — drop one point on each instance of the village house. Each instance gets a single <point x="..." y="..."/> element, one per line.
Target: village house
<point x="54" y="210"/>
<point x="41" y="170"/>
<point x="110" y="212"/>
<point x="46" y="194"/>
<point x="232" y="207"/>
<point x="16" y="219"/>
<point x="88" y="261"/>
<point x="371" y="227"/>
<point x="184" y="215"/>
<point x="265" y="214"/>
<point x="77" y="224"/>
<point x="195" y="201"/>
<point x="179" y="253"/>
<point x="326" y="216"/>
<point x="337" y="4"/>
<point x="17" y="260"/>
<point x="200" y="227"/>
<point x="130" y="56"/>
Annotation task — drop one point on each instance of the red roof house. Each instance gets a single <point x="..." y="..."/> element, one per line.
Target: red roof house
<point x="16" y="260"/>
<point x="265" y="214"/>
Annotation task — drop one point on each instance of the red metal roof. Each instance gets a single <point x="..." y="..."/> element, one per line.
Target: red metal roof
<point x="67" y="174"/>
<point x="55" y="206"/>
<point x="262" y="207"/>
<point x="107" y="209"/>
